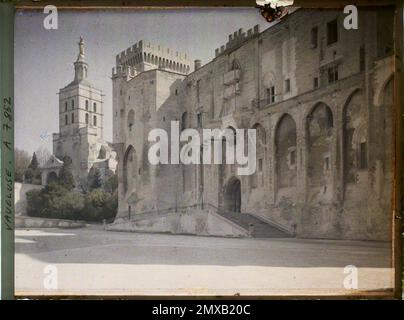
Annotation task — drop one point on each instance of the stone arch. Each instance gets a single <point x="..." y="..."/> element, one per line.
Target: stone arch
<point x="354" y="137"/>
<point x="232" y="195"/>
<point x="285" y="152"/>
<point x="51" y="177"/>
<point x="130" y="168"/>
<point x="319" y="126"/>
<point x="379" y="95"/>
<point x="258" y="177"/>
<point x="131" y="120"/>
<point x="235" y="65"/>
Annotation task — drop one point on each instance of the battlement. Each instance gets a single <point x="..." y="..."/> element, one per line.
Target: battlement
<point x="236" y="38"/>
<point x="145" y="55"/>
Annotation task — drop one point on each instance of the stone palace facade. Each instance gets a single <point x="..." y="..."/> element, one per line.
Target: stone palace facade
<point x="321" y="100"/>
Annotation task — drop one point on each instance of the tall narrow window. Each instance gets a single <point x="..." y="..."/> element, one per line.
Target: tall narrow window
<point x="314" y="37"/>
<point x="200" y="120"/>
<point x="259" y="165"/>
<point x="184" y="123"/>
<point x="95" y="120"/>
<point x="65" y="106"/>
<point x="315" y="82"/>
<point x="332" y="32"/>
<point x="72" y="104"/>
<point x="66" y="119"/>
<point x="287" y="85"/>
<point x="332" y="74"/>
<point x="198" y="82"/>
<point x="292" y="155"/>
<point x="86" y="118"/>
<point x="327" y="163"/>
<point x="271" y="94"/>
<point x="95" y="107"/>
<point x="72" y="117"/>
<point x="86" y="104"/>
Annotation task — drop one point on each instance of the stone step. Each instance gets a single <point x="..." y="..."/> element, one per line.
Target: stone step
<point x="261" y="228"/>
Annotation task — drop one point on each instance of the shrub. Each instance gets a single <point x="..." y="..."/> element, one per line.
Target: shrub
<point x="55" y="201"/>
<point x="34" y="203"/>
<point x="111" y="184"/>
<point x="100" y="205"/>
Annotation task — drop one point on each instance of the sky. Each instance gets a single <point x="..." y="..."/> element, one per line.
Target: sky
<point x="43" y="59"/>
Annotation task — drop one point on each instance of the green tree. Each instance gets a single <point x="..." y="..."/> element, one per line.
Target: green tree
<point x="33" y="173"/>
<point x="34" y="164"/>
<point x="95" y="178"/>
<point x="111" y="184"/>
<point x="100" y="205"/>
<point x="65" y="178"/>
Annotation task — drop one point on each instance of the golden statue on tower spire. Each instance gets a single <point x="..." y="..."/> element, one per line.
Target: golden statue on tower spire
<point x="81" y="46"/>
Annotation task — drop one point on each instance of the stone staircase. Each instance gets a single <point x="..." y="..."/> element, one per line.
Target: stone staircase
<point x="260" y="229"/>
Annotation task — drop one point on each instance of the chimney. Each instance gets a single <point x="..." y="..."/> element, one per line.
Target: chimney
<point x="197" y="64"/>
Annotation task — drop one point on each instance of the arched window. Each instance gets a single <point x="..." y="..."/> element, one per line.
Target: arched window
<point x="355" y="138"/>
<point x="131" y="120"/>
<point x="95" y="107"/>
<point x="66" y="119"/>
<point x="235" y="65"/>
<point x="95" y="120"/>
<point x="319" y="132"/>
<point x="86" y="118"/>
<point x="72" y="117"/>
<point x="184" y="122"/>
<point x="86" y="104"/>
<point x="285" y="152"/>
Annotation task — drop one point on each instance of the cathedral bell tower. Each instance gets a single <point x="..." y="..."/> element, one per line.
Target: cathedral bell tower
<point x="80" y="135"/>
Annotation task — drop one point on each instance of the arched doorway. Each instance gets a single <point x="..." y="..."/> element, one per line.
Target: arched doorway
<point x="232" y="196"/>
<point x="51" y="177"/>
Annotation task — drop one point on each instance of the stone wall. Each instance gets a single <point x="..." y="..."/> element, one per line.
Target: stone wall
<point x="320" y="100"/>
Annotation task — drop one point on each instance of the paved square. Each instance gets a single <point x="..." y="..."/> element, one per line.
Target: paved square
<point x="93" y="261"/>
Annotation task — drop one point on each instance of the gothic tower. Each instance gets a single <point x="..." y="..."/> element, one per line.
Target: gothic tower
<point x="80" y="134"/>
